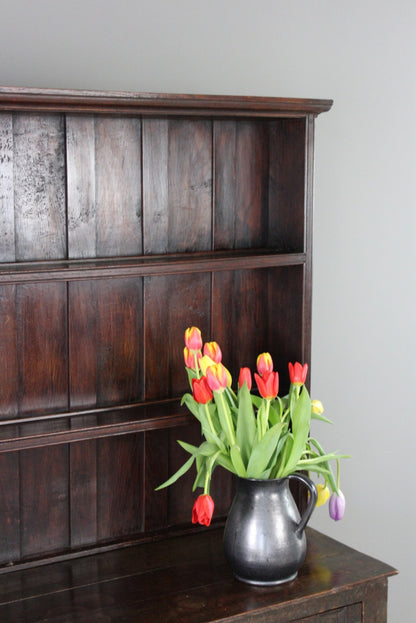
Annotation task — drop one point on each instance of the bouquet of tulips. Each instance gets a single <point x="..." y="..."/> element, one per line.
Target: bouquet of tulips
<point x="253" y="436"/>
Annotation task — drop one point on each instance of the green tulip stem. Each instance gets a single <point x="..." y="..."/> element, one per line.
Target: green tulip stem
<point x="227" y="417"/>
<point x="196" y="364"/>
<point x="211" y="425"/>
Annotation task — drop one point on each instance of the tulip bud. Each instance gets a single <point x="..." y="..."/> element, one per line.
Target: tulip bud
<point x="245" y="377"/>
<point x="297" y="373"/>
<point x="264" y="364"/>
<point x="193" y="339"/>
<point x="337" y="506"/>
<point x="317" y="407"/>
<point x="203" y="510"/>
<point x="213" y="350"/>
<point x="323" y="494"/>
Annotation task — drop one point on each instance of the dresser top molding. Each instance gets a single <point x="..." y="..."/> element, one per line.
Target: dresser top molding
<point x="79" y="101"/>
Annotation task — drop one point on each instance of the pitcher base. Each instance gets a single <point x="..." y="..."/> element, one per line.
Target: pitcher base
<point x="267" y="582"/>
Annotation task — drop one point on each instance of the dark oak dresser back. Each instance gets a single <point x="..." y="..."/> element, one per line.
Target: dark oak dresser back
<point x="124" y="219"/>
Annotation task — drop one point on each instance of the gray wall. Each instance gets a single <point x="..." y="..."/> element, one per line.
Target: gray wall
<point x="362" y="54"/>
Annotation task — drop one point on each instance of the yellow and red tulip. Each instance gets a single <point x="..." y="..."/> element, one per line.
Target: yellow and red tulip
<point x="193" y="339"/>
<point x="189" y="357"/>
<point x="217" y="377"/>
<point x="213" y="351"/>
<point x="264" y="364"/>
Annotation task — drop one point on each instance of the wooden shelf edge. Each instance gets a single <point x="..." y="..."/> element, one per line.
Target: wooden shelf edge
<point x="45" y="438"/>
<point x="142" y="266"/>
<point x="78" y="101"/>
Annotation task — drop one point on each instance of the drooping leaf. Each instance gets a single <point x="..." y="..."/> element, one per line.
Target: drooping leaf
<point x="181" y="471"/>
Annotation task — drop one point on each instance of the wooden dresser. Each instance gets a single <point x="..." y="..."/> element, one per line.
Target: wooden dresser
<point x="124" y="219"/>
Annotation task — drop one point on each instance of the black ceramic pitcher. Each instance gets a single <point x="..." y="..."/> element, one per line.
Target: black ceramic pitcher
<point x="264" y="536"/>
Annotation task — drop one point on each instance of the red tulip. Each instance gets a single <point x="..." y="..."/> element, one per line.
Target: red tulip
<point x="217" y="377"/>
<point x="193" y="339"/>
<point x="213" y="351"/>
<point x="189" y="357"/>
<point x="268" y="384"/>
<point x="201" y="390"/>
<point x="245" y="377"/>
<point x="297" y="373"/>
<point x="203" y="510"/>
<point x="264" y="364"/>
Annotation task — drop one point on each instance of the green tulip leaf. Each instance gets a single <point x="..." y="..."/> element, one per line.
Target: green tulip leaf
<point x="237" y="461"/>
<point x="301" y="419"/>
<point x="181" y="471"/>
<point x="263" y="451"/>
<point x="246" y="423"/>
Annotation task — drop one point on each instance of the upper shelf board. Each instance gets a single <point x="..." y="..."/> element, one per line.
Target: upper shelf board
<point x="65" y="100"/>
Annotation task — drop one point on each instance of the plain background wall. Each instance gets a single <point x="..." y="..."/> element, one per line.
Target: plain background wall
<point x="363" y="55"/>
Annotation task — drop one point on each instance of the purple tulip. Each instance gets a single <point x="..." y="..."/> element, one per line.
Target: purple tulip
<point x="337" y="506"/>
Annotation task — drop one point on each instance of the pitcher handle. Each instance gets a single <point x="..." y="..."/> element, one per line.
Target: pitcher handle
<point x="312" y="499"/>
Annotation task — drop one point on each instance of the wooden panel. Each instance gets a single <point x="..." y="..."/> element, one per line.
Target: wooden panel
<point x="10" y="507"/>
<point x="120" y="486"/>
<point x="155" y="186"/>
<point x="104" y="187"/>
<point x="39" y="186"/>
<point x="119" y="341"/>
<point x="177" y="185"/>
<point x="7" y="247"/>
<point x="83" y="493"/>
<point x="9" y="463"/>
<point x="44" y="500"/>
<point x="241" y="184"/>
<point x="80" y="145"/>
<point x="190" y="185"/>
<point x="8" y="353"/>
<point x="285" y="319"/>
<point x="42" y="338"/>
<point x="240" y="305"/>
<point x="157" y="472"/>
<point x="118" y="186"/>
<point x="105" y="368"/>
<point x="171" y="305"/>
<point x="286" y="227"/>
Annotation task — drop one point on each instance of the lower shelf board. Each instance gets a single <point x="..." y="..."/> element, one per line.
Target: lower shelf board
<point x="186" y="579"/>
